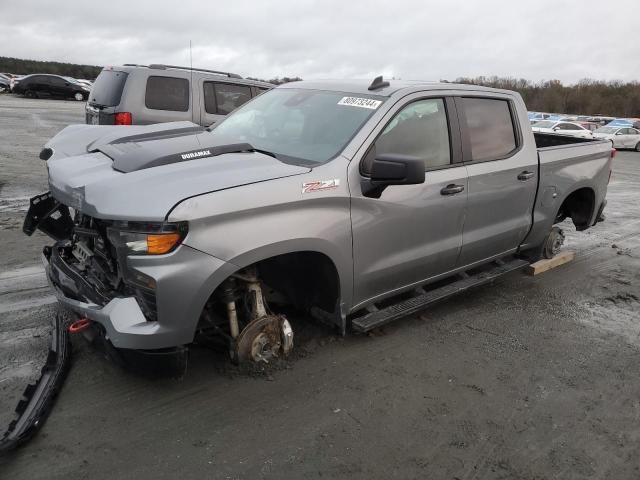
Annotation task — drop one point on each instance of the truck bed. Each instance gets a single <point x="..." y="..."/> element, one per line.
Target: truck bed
<point x="567" y="164"/>
<point x="546" y="140"/>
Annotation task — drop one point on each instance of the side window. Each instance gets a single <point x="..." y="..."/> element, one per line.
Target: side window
<point x="490" y="127"/>
<point x="167" y="93"/>
<point x="633" y="131"/>
<point x="224" y="98"/>
<point x="570" y="126"/>
<point x="259" y="91"/>
<point x="419" y="130"/>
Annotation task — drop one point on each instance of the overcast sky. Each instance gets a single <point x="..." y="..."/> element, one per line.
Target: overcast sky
<point x="421" y="39"/>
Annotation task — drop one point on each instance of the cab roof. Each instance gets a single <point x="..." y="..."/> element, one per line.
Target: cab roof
<point x="361" y="87"/>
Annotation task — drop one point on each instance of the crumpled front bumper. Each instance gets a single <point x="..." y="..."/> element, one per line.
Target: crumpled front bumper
<point x="37" y="399"/>
<point x="184" y="280"/>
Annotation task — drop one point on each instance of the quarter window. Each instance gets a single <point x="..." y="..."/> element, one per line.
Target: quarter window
<point x="224" y="98"/>
<point x="167" y="93"/>
<point x="419" y="130"/>
<point x="489" y="126"/>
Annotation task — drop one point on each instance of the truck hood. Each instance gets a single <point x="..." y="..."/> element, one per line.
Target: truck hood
<point x="141" y="173"/>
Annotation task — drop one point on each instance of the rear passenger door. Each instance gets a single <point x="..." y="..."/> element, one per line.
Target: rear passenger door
<point x="58" y="87"/>
<point x="634" y="138"/>
<point x="220" y="99"/>
<point x="629" y="137"/>
<point x="503" y="177"/>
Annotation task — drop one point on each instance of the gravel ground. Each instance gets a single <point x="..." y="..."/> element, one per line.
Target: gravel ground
<point x="526" y="378"/>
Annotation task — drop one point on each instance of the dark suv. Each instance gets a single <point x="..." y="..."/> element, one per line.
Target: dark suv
<point x="141" y="95"/>
<point x="41" y="85"/>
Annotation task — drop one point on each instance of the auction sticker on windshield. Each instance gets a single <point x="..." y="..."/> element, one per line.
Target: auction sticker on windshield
<point x="360" y="102"/>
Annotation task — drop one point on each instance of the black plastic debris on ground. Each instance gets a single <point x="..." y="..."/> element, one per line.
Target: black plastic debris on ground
<point x="38" y="398"/>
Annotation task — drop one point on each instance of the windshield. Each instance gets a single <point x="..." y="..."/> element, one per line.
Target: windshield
<point x="308" y="126"/>
<point x="607" y="130"/>
<point x="544" y="124"/>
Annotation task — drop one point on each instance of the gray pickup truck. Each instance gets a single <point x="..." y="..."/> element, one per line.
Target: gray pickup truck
<point x="352" y="201"/>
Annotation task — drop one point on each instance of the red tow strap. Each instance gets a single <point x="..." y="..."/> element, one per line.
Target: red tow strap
<point x="80" y="325"/>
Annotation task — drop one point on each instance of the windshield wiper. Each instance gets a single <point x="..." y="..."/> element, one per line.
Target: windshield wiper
<point x="239" y="148"/>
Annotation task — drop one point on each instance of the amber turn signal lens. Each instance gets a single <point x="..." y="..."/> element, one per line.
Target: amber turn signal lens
<point x="164" y="243"/>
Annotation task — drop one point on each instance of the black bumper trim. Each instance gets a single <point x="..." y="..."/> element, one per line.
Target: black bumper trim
<point x="38" y="398"/>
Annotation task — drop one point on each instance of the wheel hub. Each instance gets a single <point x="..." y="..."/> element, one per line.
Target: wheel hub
<point x="264" y="339"/>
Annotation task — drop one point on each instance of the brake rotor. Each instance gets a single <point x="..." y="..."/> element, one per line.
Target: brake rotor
<point x="264" y="339"/>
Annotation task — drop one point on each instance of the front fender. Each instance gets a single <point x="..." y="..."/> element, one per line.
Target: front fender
<point x="247" y="224"/>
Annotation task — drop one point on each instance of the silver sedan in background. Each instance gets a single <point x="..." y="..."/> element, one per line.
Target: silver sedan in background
<point x="562" y="128"/>
<point x="620" y="137"/>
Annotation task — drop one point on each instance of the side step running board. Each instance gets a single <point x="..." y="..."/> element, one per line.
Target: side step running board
<point x="377" y="318"/>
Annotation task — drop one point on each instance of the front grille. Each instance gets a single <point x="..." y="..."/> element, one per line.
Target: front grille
<point x="95" y="259"/>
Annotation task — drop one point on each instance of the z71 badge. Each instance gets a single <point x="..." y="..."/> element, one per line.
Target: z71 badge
<point x="320" y="186"/>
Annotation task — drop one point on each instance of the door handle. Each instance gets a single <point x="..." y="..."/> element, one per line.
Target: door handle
<point x="524" y="176"/>
<point x="452" y="189"/>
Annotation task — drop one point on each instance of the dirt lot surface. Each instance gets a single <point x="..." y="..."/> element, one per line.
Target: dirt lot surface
<point x="526" y="378"/>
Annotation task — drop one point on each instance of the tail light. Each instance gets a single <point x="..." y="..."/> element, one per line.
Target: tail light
<point x="122" y="118"/>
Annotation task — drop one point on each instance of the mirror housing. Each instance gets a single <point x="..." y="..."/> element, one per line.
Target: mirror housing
<point x="392" y="169"/>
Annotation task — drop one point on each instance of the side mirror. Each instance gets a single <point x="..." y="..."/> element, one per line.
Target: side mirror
<point x="555" y="129"/>
<point x="618" y="133"/>
<point x="392" y="169"/>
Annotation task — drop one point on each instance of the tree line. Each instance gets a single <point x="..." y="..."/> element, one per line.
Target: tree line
<point x="587" y="97"/>
<point x="20" y="66"/>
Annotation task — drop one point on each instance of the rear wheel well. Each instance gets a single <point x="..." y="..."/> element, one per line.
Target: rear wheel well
<point x="578" y="206"/>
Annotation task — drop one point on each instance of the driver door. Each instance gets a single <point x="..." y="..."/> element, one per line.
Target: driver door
<point x="412" y="232"/>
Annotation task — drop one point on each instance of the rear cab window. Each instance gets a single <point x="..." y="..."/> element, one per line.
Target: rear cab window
<point x="490" y="128"/>
<point x="167" y="93"/>
<point x="224" y="98"/>
<point x="107" y="89"/>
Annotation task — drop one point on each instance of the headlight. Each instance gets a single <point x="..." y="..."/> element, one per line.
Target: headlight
<point x="139" y="238"/>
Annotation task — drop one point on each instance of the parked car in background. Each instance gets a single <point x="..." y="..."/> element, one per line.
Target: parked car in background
<point x="562" y="128"/>
<point x="84" y="81"/>
<point x="620" y="137"/>
<point x="537" y="116"/>
<point x="141" y="95"/>
<point x="45" y="85"/>
<point x="591" y="126"/>
<point x="5" y="83"/>
<point x="13" y="81"/>
<point x="601" y="119"/>
<point x="625" y="122"/>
